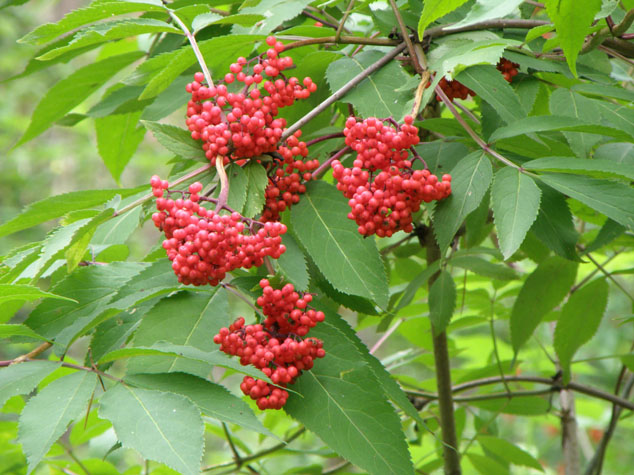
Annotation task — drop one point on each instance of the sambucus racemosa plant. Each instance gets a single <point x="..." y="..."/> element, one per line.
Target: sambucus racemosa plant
<point x="454" y="176"/>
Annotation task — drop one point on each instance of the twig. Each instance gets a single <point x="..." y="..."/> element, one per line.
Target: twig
<point x="320" y="20"/>
<point x="326" y="165"/>
<point x="237" y="293"/>
<point x="498" y="23"/>
<point x="33" y="353"/>
<point x="343" y="20"/>
<point x="385" y="336"/>
<point x="405" y="34"/>
<point x="352" y="40"/>
<point x="391" y="247"/>
<point x="260" y="454"/>
<point x="336" y="135"/>
<point x="72" y="455"/>
<point x="192" y="41"/>
<point x="342" y="91"/>
<point x="466" y="110"/>
<point x="224" y="184"/>
<point x="610" y="276"/>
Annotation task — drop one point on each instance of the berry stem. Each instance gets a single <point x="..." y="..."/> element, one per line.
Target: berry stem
<point x="224" y="184"/>
<point x="324" y="137"/>
<point x="342" y="91"/>
<point x="343" y="20"/>
<point x="194" y="44"/>
<point x="418" y="157"/>
<point x="326" y="165"/>
<point x="150" y="196"/>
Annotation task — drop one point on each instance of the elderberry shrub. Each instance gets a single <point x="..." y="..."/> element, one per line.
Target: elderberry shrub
<point x="277" y="347"/>
<point x="204" y="245"/>
<point x="382" y="188"/>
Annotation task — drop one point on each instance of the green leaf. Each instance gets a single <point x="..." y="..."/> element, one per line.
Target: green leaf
<point x="185" y="319"/>
<point x="257" y="182"/>
<point x="486" y="465"/>
<point x="341" y="406"/>
<point x="545" y="288"/>
<point x="415" y="284"/>
<point x="608" y="232"/>
<point x="117" y="139"/>
<point x="470" y="181"/>
<point x="509" y="452"/>
<point x="9" y="330"/>
<point x="515" y="201"/>
<point x="442" y="301"/>
<point x="73" y="90"/>
<point x="602" y="90"/>
<point x="348" y="261"/>
<point x="572" y="18"/>
<point x="379" y="95"/>
<point x="26" y="293"/>
<point x="92" y="287"/>
<point x="434" y="9"/>
<point x="83" y="16"/>
<point x="112" y="30"/>
<point x="206" y="19"/>
<point x="596" y="168"/>
<point x="545" y="123"/>
<point x="292" y="263"/>
<point x="176" y="140"/>
<point x="486" y="10"/>
<point x="46" y="415"/>
<point x="23" y="377"/>
<point x="616" y="152"/>
<point x="538" y="31"/>
<point x="620" y="116"/>
<point x="189" y="357"/>
<point x="212" y="399"/>
<point x="554" y="225"/>
<point x="441" y="157"/>
<point x="521" y="406"/>
<point x="615" y="200"/>
<point x="56" y="206"/>
<point x="482" y="267"/>
<point x="565" y="102"/>
<point x="238" y="184"/>
<point x="117" y="230"/>
<point x="579" y="321"/>
<point x="161" y="426"/>
<point x="489" y="84"/>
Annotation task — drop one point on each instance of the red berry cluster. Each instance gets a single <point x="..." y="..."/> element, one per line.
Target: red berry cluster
<point x="287" y="173"/>
<point x="508" y="69"/>
<point x="276" y="347"/>
<point x="204" y="245"/>
<point x="382" y="203"/>
<point x="243" y="124"/>
<point x="455" y="89"/>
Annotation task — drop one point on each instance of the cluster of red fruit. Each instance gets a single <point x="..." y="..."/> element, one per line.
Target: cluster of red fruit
<point x="455" y="89"/>
<point x="204" y="245"/>
<point x="382" y="203"/>
<point x="276" y="346"/>
<point x="243" y="124"/>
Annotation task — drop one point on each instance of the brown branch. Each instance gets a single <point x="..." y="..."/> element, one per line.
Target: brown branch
<point x="33" y="353"/>
<point x="498" y="23"/>
<point x="405" y="34"/>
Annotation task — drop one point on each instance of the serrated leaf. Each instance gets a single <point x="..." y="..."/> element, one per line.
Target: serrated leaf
<point x="46" y="415"/>
<point x="489" y="84"/>
<point x="615" y="200"/>
<point x="189" y="357"/>
<point x="596" y="168"/>
<point x="212" y="399"/>
<point x="572" y="19"/>
<point x="92" y="287"/>
<point x="620" y="116"/>
<point x="56" y="206"/>
<point x="341" y="406"/>
<point x="9" y="330"/>
<point x="509" y="452"/>
<point x="112" y="30"/>
<point x="566" y="102"/>
<point x="608" y="232"/>
<point x="238" y="184"/>
<point x="161" y="426"/>
<point x="457" y="56"/>
<point x="579" y="320"/>
<point x="486" y="465"/>
<point x="538" y="31"/>
<point x="616" y="152"/>
<point x="83" y="16"/>
<point x="176" y="140"/>
<point x="415" y="284"/>
<point x="23" y="377"/>
<point x="26" y="293"/>
<point x="284" y="10"/>
<point x="486" y="10"/>
<point x="434" y="9"/>
<point x="350" y="263"/>
<point x="545" y="288"/>
<point x="118" y="229"/>
<point x="376" y="96"/>
<point x="554" y="225"/>
<point x="206" y="19"/>
<point x="73" y="90"/>
<point x="442" y="301"/>
<point x="441" y="157"/>
<point x="76" y="251"/>
<point x="185" y="319"/>
<point x="545" y="123"/>
<point x="515" y="201"/>
<point x="118" y="137"/>
<point x="470" y="181"/>
<point x="602" y="90"/>
<point x="257" y="181"/>
<point x="482" y="267"/>
<point x="293" y="263"/>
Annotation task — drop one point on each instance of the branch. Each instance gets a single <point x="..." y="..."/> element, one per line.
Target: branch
<point x="406" y="38"/>
<point x="351" y="40"/>
<point x="342" y="91"/>
<point x="498" y="23"/>
<point x="33" y="353"/>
